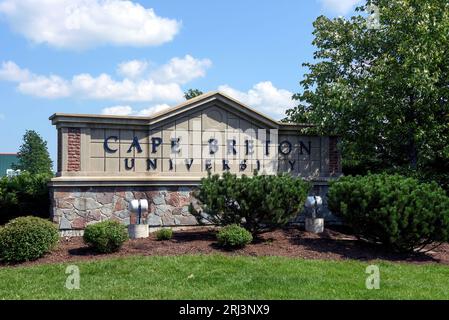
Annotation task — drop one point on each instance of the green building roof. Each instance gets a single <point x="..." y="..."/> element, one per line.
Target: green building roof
<point x="6" y="161"/>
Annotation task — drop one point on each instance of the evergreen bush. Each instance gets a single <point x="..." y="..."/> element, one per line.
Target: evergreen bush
<point x="255" y="203"/>
<point x="400" y="213"/>
<point x="25" y="194"/>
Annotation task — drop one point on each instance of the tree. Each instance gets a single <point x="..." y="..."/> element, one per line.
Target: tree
<point x="384" y="87"/>
<point x="192" y="93"/>
<point x="33" y="155"/>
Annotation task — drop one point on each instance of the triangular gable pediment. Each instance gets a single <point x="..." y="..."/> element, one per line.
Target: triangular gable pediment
<point x="202" y="105"/>
<point x="213" y="102"/>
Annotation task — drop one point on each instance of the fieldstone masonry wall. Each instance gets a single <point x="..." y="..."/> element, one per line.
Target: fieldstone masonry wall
<point x="74" y="208"/>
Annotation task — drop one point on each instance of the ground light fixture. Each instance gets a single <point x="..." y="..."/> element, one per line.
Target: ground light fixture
<point x="139" y="229"/>
<point x="312" y="222"/>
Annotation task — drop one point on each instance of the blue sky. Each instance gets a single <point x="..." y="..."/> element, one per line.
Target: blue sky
<point x="137" y="57"/>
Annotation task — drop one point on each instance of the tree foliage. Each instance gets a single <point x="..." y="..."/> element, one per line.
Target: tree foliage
<point x="33" y="155"/>
<point x="256" y="203"/>
<point x="192" y="93"/>
<point x="383" y="89"/>
<point x="24" y="195"/>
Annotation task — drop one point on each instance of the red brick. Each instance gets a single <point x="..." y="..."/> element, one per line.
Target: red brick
<point x="74" y="150"/>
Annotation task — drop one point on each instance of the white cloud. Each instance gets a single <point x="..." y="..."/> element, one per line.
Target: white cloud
<point x="132" y="69"/>
<point x="117" y="110"/>
<point x="153" y="110"/>
<point x="264" y="97"/>
<point x="162" y="85"/>
<point x="28" y="83"/>
<point x="182" y="70"/>
<point x="128" y="110"/>
<point x="104" y="87"/>
<point x="46" y="87"/>
<point x="77" y="24"/>
<point x="339" y="6"/>
<point x="2" y="116"/>
<point x="12" y="72"/>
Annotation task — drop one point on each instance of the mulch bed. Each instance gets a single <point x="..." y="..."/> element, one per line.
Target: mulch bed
<point x="333" y="244"/>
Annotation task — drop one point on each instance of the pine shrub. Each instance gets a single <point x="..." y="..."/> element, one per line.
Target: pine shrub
<point x="105" y="237"/>
<point x="400" y="213"/>
<point x="27" y="238"/>
<point x="255" y="203"/>
<point x="234" y="236"/>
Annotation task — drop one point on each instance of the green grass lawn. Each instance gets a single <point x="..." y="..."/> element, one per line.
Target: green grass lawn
<point x="224" y="277"/>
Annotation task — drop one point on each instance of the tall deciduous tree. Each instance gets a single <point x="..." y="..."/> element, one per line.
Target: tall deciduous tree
<point x="383" y="86"/>
<point x="33" y="154"/>
<point x="192" y="93"/>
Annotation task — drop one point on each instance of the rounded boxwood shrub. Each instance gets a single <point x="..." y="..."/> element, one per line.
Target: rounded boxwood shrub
<point x="105" y="237"/>
<point x="400" y="213"/>
<point x="27" y="238"/>
<point x="164" y="234"/>
<point x="234" y="236"/>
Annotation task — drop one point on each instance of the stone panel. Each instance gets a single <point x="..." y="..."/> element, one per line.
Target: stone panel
<point x="74" y="208"/>
<point x="97" y="150"/>
<point x="214" y="119"/>
<point x="96" y="165"/>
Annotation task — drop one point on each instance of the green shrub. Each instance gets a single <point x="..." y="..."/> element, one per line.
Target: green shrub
<point x="164" y="234"/>
<point x="105" y="237"/>
<point x="27" y="238"/>
<point x="234" y="236"/>
<point x="25" y="194"/>
<point x="256" y="203"/>
<point x="400" y="213"/>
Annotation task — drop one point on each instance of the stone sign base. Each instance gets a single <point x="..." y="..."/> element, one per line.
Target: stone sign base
<point x="74" y="208"/>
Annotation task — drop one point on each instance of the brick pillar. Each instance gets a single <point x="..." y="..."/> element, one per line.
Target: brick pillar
<point x="74" y="150"/>
<point x="60" y="137"/>
<point x="334" y="157"/>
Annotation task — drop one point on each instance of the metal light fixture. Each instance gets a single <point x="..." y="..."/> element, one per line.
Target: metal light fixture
<point x="140" y="229"/>
<point x="139" y="206"/>
<point x="314" y="224"/>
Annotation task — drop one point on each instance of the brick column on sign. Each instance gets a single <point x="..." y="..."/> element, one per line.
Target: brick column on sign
<point x="334" y="157"/>
<point x="74" y="150"/>
<point x="60" y="149"/>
